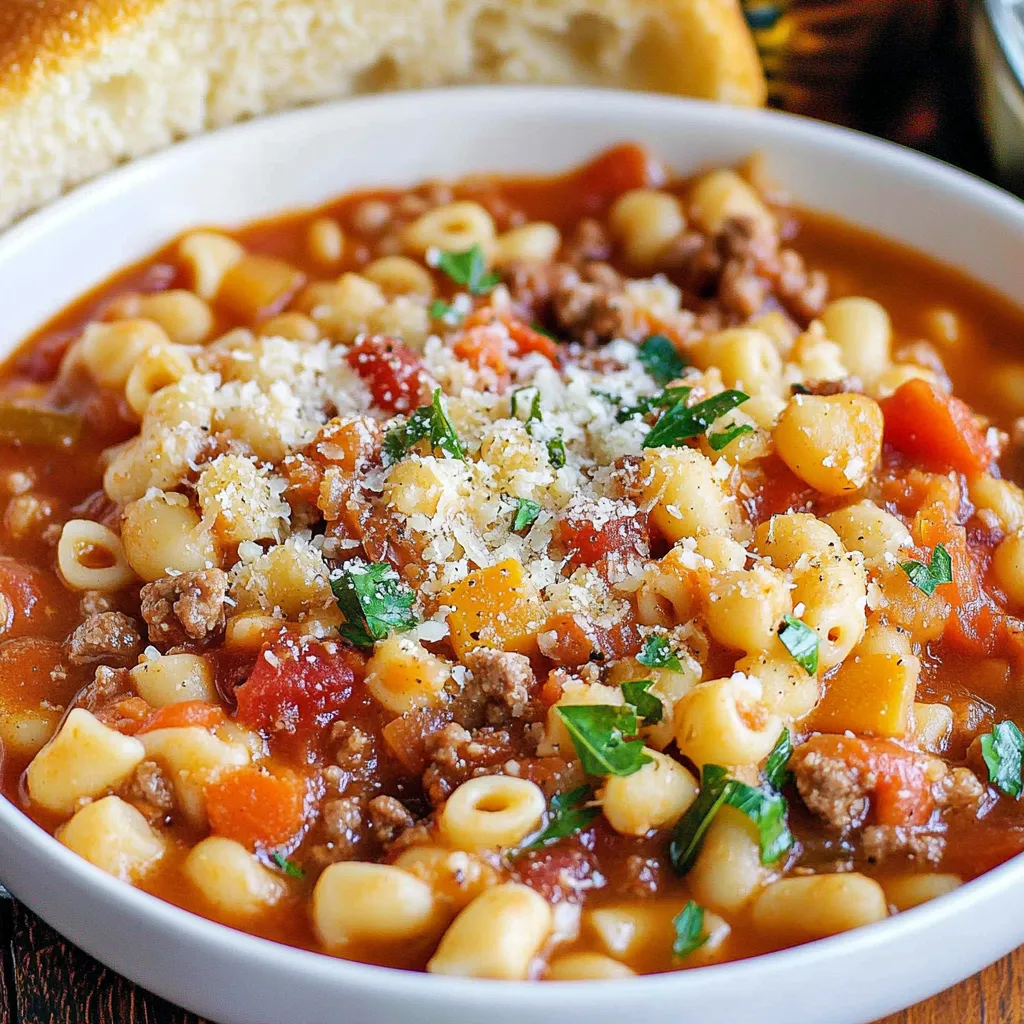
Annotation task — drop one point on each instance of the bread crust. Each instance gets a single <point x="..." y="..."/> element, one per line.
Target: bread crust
<point x="85" y="84"/>
<point x="38" y="36"/>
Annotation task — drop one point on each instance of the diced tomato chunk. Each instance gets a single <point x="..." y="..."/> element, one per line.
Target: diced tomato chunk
<point x="615" y="171"/>
<point x="902" y="793"/>
<point x="254" y="808"/>
<point x="32" y="603"/>
<point x="483" y="348"/>
<point x="392" y="372"/>
<point x="974" y="627"/>
<point x="526" y="339"/>
<point x="936" y="428"/>
<point x="618" y="537"/>
<point x="298" y="685"/>
<point x="184" y="714"/>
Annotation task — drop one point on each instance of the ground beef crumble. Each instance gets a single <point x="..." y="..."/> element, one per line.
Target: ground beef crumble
<point x="107" y="638"/>
<point x="186" y="607"/>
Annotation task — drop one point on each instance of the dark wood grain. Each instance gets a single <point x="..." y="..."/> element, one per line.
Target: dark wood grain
<point x="49" y="981"/>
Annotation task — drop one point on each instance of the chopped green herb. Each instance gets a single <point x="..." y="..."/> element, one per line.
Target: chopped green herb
<point x="689" y="926"/>
<point x="468" y="268"/>
<point x="607" y="396"/>
<point x="290" y="868"/>
<point x="799" y="389"/>
<point x="598" y="733"/>
<point x="1002" y="749"/>
<point x="661" y="359"/>
<point x="427" y="422"/>
<point x="556" y="451"/>
<point x="441" y="310"/>
<point x="648" y="706"/>
<point x="691" y="827"/>
<point x="682" y="422"/>
<point x="725" y="437"/>
<point x="801" y="641"/>
<point x="526" y="512"/>
<point x="765" y="807"/>
<point x="565" y="817"/>
<point x="374" y="601"/>
<point x="662" y="400"/>
<point x="767" y="810"/>
<point x="533" y="411"/>
<point x="658" y="653"/>
<point x="927" y="577"/>
<point x="776" y="772"/>
<point x="541" y="329"/>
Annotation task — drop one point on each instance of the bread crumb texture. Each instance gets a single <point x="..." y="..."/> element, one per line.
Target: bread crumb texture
<point x="87" y="83"/>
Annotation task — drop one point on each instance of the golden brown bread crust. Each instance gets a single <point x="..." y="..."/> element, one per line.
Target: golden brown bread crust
<point x="85" y="84"/>
<point x="37" y="36"/>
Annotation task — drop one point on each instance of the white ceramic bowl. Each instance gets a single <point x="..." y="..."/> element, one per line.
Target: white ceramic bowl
<point x="305" y="157"/>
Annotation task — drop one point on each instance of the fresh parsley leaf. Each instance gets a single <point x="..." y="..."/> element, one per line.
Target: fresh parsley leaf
<point x="767" y="810"/>
<point x="607" y="396"/>
<point x="926" y="578"/>
<point x="682" y="422"/>
<point x="801" y="641"/>
<point x="776" y="773"/>
<point x="661" y="359"/>
<point x="725" y="437"/>
<point x="691" y="827"/>
<point x="689" y="926"/>
<point x="765" y="807"/>
<point x="541" y="329"/>
<point x="441" y="310"/>
<point x="658" y="653"/>
<point x="1002" y="749"/>
<point x="662" y="400"/>
<point x="556" y="451"/>
<point x="468" y="268"/>
<point x="565" y="817"/>
<point x="289" y="867"/>
<point x="533" y="411"/>
<point x="526" y="512"/>
<point x="598" y="733"/>
<point x="374" y="601"/>
<point x="427" y="422"/>
<point x="648" y="706"/>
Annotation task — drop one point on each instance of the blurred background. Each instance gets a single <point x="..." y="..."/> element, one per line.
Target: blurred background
<point x="930" y="74"/>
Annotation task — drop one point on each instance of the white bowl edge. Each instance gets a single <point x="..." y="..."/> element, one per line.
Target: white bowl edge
<point x="305" y="157"/>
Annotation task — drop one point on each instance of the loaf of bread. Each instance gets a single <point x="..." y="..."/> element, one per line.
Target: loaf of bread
<point x="87" y="83"/>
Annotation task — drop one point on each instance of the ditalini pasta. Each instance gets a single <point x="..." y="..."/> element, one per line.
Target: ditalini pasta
<point x="526" y="579"/>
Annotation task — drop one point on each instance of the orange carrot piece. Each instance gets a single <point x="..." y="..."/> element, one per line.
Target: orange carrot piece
<point x="255" y="809"/>
<point x="926" y="424"/>
<point x="184" y="714"/>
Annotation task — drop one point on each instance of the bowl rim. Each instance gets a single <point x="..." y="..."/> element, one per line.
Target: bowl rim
<point x="261" y="952"/>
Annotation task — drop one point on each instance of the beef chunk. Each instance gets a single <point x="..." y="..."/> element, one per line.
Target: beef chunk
<point x="185" y="607"/>
<point x="884" y="842"/>
<point x="592" y="311"/>
<point x="504" y="679"/>
<point x="107" y="638"/>
<point x="456" y="754"/>
<point x="152" y="789"/>
<point x="832" y="789"/>
<point x="389" y="817"/>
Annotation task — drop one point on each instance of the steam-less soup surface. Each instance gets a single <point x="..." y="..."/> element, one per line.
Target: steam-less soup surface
<point x="548" y="579"/>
